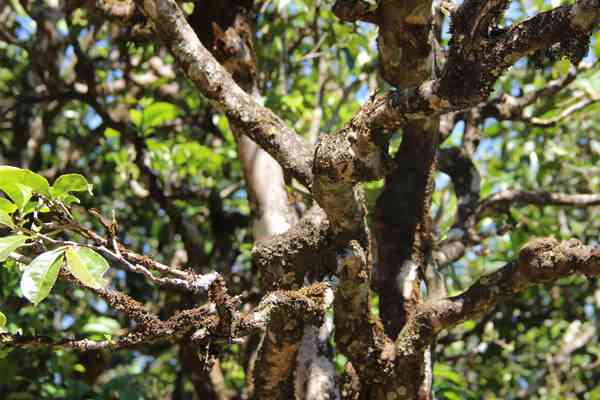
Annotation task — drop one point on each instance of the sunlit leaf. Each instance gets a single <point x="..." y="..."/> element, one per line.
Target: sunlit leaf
<point x="71" y="183"/>
<point x="561" y="68"/>
<point x="157" y="114"/>
<point x="30" y="207"/>
<point x="9" y="244"/>
<point x="101" y="325"/>
<point x="7" y="206"/>
<point x="12" y="175"/>
<point x="111" y="133"/>
<point x="18" y="193"/>
<point x="87" y="266"/>
<point x="39" y="276"/>
<point x="136" y="117"/>
<point x="5" y="219"/>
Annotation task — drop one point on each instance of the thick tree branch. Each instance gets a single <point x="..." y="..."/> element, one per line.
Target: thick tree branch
<point x="198" y="324"/>
<point x="352" y="11"/>
<point x="263" y="126"/>
<point x="285" y="260"/>
<point x="467" y="79"/>
<point x="358" y="333"/>
<point x="284" y="315"/>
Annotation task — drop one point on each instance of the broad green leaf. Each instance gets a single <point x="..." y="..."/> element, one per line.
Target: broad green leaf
<point x="5" y="219"/>
<point x="157" y="114"/>
<point x="101" y="325"/>
<point x="87" y="266"/>
<point x="71" y="183"/>
<point x="39" y="276"/>
<point x="9" y="244"/>
<point x="2" y="320"/>
<point x="110" y="133"/>
<point x="136" y="117"/>
<point x="12" y="175"/>
<point x="18" y="193"/>
<point x="69" y="199"/>
<point x="8" y="206"/>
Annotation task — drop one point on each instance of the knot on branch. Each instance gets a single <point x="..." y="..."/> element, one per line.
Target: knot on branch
<point x="351" y="262"/>
<point x="119" y="10"/>
<point x="351" y="155"/>
<point x="546" y="259"/>
<point x="352" y="10"/>
<point x="285" y="260"/>
<point x="226" y="305"/>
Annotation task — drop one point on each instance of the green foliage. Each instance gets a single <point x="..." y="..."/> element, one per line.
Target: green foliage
<point x="87" y="266"/>
<point x="2" y="322"/>
<point x="30" y="182"/>
<point x="69" y="183"/>
<point x="152" y="116"/>
<point x="9" y="244"/>
<point x="39" y="277"/>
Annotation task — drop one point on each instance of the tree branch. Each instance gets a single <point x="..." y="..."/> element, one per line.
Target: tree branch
<point x="286" y="259"/>
<point x="540" y="198"/>
<point x="540" y="260"/>
<point x="262" y="125"/>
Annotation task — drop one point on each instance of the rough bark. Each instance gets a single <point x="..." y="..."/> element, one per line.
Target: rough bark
<point x="231" y="41"/>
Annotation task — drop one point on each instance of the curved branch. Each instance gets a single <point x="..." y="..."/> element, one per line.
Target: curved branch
<point x="259" y="123"/>
<point x="540" y="260"/>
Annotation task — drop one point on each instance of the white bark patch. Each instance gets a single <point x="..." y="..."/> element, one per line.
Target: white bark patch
<point x="408" y="274"/>
<point x="328" y="298"/>
<point x="440" y="258"/>
<point x="315" y="377"/>
<point x="427" y="91"/>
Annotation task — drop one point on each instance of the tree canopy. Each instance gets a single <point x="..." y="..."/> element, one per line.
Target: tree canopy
<point x="279" y="199"/>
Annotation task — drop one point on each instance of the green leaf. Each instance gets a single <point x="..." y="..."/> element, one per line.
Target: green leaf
<point x="9" y="244"/>
<point x="157" y="114"/>
<point x="2" y="321"/>
<point x="110" y="133"/>
<point x="136" y="117"/>
<point x="5" y="219"/>
<point x="69" y="199"/>
<point x="18" y="193"/>
<point x="101" y="325"/>
<point x="12" y="175"/>
<point x="39" y="277"/>
<point x="7" y="206"/>
<point x="71" y="183"/>
<point x="87" y="266"/>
